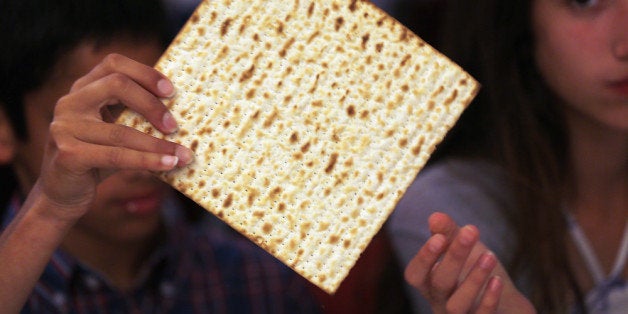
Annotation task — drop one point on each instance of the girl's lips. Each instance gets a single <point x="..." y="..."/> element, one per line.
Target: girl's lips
<point x="620" y="87"/>
<point x="143" y="205"/>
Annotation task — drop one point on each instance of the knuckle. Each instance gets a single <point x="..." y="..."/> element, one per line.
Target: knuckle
<point x="117" y="81"/>
<point x="112" y="60"/>
<point x="117" y="135"/>
<point x="115" y="156"/>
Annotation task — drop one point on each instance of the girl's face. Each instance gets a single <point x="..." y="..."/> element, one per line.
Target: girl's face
<point x="581" y="50"/>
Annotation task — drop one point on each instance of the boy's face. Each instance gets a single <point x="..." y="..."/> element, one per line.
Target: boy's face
<point x="127" y="205"/>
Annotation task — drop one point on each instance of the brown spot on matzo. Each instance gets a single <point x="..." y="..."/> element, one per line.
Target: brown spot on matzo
<point x="310" y="9"/>
<point x="215" y="193"/>
<point x="346" y="244"/>
<point x="323" y="226"/>
<point x="451" y="97"/>
<point x="190" y="173"/>
<point x="405" y="60"/>
<point x="250" y="94"/>
<point x="305" y="148"/>
<point x="247" y="74"/>
<point x="430" y="105"/>
<point x="267" y="228"/>
<point x="270" y="119"/>
<point x="351" y="111"/>
<point x="405" y="88"/>
<point x="224" y="28"/>
<point x="259" y="214"/>
<point x="417" y="148"/>
<point x="294" y="138"/>
<point x="194" y="145"/>
<point x="252" y="196"/>
<point x="228" y="201"/>
<point x="314" y="35"/>
<point x="279" y="28"/>
<point x="287" y="99"/>
<point x="194" y="18"/>
<point x="352" y="5"/>
<point x="274" y="193"/>
<point x="379" y="47"/>
<point x="183" y="133"/>
<point x="245" y="23"/>
<point x="334" y="239"/>
<point x="317" y="103"/>
<point x="403" y="142"/>
<point x="332" y="163"/>
<point x="439" y="90"/>
<point x="364" y="114"/>
<point x="365" y="39"/>
<point x="281" y="208"/>
<point x="286" y="46"/>
<point x="404" y="35"/>
<point x="339" y="22"/>
<point x="349" y="162"/>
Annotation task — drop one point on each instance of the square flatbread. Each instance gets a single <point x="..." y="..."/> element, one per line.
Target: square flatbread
<point x="309" y="119"/>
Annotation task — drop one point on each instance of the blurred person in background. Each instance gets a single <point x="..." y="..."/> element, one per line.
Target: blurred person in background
<point x="537" y="165"/>
<point x="85" y="227"/>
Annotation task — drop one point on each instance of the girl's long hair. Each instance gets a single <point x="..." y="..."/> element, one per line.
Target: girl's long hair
<point x="515" y="121"/>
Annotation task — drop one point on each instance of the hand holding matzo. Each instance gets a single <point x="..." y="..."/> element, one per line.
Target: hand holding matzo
<point x="309" y="119"/>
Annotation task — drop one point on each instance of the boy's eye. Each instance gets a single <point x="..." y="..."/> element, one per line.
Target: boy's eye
<point x="584" y="3"/>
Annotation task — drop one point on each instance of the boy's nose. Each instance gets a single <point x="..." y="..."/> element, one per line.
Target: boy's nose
<point x="620" y="31"/>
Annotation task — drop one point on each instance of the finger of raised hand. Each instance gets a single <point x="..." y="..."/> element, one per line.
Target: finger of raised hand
<point x="107" y="134"/>
<point x="469" y="290"/>
<point x="144" y="75"/>
<point x="443" y="224"/>
<point x="417" y="271"/>
<point x="492" y="294"/>
<point x="115" y="88"/>
<point x="446" y="276"/>
<point x="80" y="157"/>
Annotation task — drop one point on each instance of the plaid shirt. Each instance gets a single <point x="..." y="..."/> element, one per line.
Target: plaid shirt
<point x="199" y="269"/>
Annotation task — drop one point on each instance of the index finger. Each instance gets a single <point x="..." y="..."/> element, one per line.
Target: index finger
<point x="146" y="76"/>
<point x="443" y="224"/>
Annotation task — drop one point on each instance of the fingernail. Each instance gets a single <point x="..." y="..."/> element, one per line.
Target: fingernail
<point x="169" y="161"/>
<point x="186" y="155"/>
<point x="466" y="236"/>
<point x="487" y="261"/>
<point x="436" y="244"/>
<point x="495" y="283"/>
<point x="169" y="122"/>
<point x="165" y="87"/>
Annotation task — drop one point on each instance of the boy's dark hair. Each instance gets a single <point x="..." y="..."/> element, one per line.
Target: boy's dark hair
<point x="35" y="33"/>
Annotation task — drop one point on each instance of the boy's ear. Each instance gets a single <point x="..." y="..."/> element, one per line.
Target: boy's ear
<point x="8" y="142"/>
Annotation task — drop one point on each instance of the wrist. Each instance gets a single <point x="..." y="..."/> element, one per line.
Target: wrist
<point x="42" y="207"/>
